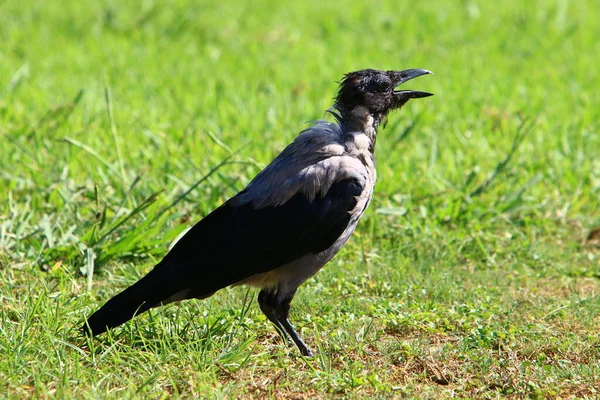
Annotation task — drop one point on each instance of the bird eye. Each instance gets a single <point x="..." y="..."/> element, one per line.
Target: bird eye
<point x="377" y="86"/>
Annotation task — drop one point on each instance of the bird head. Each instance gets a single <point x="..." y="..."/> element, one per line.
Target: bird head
<point x="375" y="92"/>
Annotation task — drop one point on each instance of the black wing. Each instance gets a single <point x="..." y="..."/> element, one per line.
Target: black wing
<point x="235" y="242"/>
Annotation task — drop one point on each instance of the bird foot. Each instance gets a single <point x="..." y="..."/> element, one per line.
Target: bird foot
<point x="306" y="352"/>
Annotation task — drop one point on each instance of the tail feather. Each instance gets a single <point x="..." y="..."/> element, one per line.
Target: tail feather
<point x="150" y="291"/>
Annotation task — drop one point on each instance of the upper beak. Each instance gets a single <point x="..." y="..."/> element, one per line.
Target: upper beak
<point x="400" y="77"/>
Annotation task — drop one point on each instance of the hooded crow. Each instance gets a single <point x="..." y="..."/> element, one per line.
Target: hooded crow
<point x="291" y="219"/>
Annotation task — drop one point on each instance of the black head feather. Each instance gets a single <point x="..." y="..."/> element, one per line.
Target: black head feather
<point x="375" y="90"/>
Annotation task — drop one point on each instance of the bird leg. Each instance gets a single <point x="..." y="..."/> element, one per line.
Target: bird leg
<point x="277" y="311"/>
<point x="265" y="301"/>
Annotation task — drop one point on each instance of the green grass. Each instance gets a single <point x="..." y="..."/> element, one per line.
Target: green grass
<point x="121" y="124"/>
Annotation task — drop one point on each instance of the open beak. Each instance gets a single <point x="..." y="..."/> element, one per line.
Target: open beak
<point x="399" y="77"/>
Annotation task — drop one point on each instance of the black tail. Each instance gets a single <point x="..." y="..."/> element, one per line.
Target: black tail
<point x="150" y="291"/>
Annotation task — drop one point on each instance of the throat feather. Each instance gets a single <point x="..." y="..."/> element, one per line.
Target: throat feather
<point x="361" y="120"/>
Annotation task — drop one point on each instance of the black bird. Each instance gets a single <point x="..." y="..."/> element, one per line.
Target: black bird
<point x="288" y="222"/>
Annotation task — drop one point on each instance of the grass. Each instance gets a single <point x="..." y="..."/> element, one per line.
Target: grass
<point x="470" y="275"/>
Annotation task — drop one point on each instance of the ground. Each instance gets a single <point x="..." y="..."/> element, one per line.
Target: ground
<point x="475" y="273"/>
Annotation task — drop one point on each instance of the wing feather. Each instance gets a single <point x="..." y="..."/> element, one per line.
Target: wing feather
<point x="237" y="241"/>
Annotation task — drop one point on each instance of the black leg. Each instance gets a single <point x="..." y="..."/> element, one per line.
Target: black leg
<point x="296" y="338"/>
<point x="265" y="301"/>
<point x="277" y="310"/>
<point x="282" y="312"/>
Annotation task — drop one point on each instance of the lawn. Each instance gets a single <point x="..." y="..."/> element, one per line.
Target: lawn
<point x="475" y="272"/>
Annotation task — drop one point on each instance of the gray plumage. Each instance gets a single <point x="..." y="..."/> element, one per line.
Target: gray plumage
<point x="291" y="219"/>
<point x="318" y="157"/>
